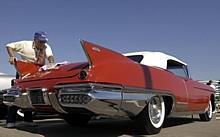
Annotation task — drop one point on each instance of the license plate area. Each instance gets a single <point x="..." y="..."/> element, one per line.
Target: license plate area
<point x="37" y="97"/>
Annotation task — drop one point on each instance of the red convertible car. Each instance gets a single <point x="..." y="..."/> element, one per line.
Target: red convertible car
<point x="144" y="86"/>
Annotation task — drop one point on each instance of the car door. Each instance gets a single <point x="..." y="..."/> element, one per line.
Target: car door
<point x="197" y="96"/>
<point x="180" y="88"/>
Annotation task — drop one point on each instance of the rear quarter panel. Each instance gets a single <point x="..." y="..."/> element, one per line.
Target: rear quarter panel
<point x="199" y="95"/>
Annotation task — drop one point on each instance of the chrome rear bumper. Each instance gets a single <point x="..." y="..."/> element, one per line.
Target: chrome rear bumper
<point x="103" y="99"/>
<point x="14" y="97"/>
<point x="27" y="100"/>
<point x="100" y="99"/>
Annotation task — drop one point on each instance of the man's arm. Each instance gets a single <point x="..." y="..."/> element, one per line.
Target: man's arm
<point x="49" y="54"/>
<point x="41" y="57"/>
<point x="12" y="48"/>
<point x="11" y="55"/>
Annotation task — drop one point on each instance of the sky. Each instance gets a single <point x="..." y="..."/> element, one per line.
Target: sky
<point x="186" y="29"/>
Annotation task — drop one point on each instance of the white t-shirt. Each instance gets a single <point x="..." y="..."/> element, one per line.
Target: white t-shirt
<point x="26" y="50"/>
<point x="212" y="86"/>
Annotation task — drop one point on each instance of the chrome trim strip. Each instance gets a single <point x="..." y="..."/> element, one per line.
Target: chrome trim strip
<point x="128" y="89"/>
<point x="145" y="90"/>
<point x="89" y="86"/>
<point x="55" y="103"/>
<point x="185" y="113"/>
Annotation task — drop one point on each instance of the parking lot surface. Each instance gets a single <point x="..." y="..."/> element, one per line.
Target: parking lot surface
<point x="56" y="127"/>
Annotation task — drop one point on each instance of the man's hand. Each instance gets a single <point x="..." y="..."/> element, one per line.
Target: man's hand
<point x="11" y="60"/>
<point x="51" y="59"/>
<point x="51" y="65"/>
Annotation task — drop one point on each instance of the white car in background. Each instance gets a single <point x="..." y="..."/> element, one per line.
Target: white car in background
<point x="5" y="83"/>
<point x="5" y="80"/>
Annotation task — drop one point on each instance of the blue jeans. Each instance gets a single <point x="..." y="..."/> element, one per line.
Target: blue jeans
<point x="12" y="112"/>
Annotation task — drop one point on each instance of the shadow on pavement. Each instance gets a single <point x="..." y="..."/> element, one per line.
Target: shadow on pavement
<point x="171" y="122"/>
<point x="96" y="128"/>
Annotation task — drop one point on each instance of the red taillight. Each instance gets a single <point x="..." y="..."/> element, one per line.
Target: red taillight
<point x="83" y="74"/>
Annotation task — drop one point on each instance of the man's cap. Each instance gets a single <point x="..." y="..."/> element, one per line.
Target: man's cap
<point x="41" y="36"/>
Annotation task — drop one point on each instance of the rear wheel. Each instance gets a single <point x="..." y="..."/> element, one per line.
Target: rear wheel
<point x="151" y="119"/>
<point x="77" y="119"/>
<point x="207" y="116"/>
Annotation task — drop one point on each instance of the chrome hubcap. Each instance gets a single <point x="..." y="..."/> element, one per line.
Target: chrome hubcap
<point x="155" y="110"/>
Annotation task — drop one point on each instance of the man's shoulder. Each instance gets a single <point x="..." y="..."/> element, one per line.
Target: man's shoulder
<point x="19" y="43"/>
<point x="22" y="42"/>
<point x="26" y="41"/>
<point x="47" y="45"/>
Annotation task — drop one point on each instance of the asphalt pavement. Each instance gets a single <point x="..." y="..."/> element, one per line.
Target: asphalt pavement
<point x="56" y="127"/>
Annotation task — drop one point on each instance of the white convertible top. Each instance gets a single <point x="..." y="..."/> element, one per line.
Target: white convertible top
<point x="156" y="59"/>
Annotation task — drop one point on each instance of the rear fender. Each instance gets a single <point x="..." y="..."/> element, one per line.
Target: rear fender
<point x="97" y="54"/>
<point x="25" y="68"/>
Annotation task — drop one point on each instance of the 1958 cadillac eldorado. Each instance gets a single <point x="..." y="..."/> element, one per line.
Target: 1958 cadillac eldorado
<point x="144" y="86"/>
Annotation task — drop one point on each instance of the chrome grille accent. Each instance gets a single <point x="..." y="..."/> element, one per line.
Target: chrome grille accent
<point x="38" y="96"/>
<point x="75" y="98"/>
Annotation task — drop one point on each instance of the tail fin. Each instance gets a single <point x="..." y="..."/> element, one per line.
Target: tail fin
<point x="25" y="68"/>
<point x="97" y="54"/>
